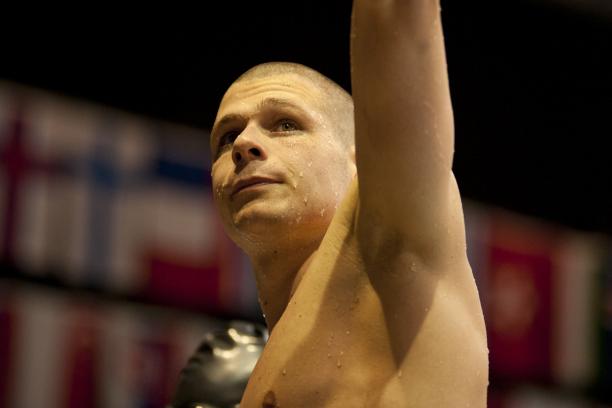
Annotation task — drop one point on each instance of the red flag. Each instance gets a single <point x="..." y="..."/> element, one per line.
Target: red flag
<point x="7" y="344"/>
<point x="81" y="365"/>
<point x="179" y="281"/>
<point x="518" y="307"/>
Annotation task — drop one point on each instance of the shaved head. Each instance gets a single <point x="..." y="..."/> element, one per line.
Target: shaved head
<point x="295" y="127"/>
<point x="337" y="103"/>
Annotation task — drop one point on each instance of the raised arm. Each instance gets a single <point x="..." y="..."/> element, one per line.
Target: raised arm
<point x="404" y="120"/>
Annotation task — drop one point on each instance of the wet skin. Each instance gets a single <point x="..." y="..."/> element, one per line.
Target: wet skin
<point x="360" y="261"/>
<point x="346" y="336"/>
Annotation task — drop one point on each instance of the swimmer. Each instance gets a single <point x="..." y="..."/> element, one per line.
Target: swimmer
<point x="349" y="211"/>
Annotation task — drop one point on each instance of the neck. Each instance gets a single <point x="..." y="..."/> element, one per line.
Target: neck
<point x="278" y="274"/>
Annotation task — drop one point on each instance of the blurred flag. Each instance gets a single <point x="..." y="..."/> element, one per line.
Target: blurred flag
<point x="532" y="397"/>
<point x="518" y="307"/>
<point x="39" y="354"/>
<point x="7" y="343"/>
<point x="81" y="357"/>
<point x="50" y="208"/>
<point x="574" y="347"/>
<point x="182" y="263"/>
<point x="22" y="171"/>
<point x="129" y="223"/>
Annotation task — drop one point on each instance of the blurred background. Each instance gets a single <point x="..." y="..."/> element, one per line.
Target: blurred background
<point x="113" y="263"/>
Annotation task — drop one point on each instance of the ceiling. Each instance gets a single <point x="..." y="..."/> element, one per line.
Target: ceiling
<point x="531" y="82"/>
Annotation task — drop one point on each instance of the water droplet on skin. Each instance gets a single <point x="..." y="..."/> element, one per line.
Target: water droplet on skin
<point x="284" y="372"/>
<point x="342" y="353"/>
<point x="338" y="364"/>
<point x="322" y="212"/>
<point x="310" y="164"/>
<point x="301" y="174"/>
<point x="269" y="400"/>
<point x="328" y="355"/>
<point x="305" y="200"/>
<point x="399" y="374"/>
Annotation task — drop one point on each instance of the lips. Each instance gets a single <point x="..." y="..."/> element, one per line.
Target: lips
<point x="251" y="181"/>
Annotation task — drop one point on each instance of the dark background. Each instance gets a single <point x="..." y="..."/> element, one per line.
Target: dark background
<point x="531" y="82"/>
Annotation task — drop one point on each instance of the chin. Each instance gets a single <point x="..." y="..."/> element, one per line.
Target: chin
<point x="255" y="235"/>
<point x="259" y="214"/>
<point x="257" y="238"/>
<point x="255" y="221"/>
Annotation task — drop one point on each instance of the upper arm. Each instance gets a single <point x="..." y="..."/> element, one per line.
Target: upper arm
<point x="403" y="118"/>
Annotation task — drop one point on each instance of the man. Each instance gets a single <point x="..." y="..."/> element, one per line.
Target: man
<point x="353" y="223"/>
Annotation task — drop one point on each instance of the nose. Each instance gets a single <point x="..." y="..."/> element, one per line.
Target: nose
<point x="247" y="148"/>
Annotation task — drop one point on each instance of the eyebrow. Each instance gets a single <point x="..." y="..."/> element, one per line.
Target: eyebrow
<point x="232" y="117"/>
<point x="277" y="102"/>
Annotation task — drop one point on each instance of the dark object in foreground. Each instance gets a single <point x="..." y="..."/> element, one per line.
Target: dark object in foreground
<point x="217" y="373"/>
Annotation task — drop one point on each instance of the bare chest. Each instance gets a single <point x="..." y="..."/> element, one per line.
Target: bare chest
<point x="326" y="349"/>
<point x="345" y="340"/>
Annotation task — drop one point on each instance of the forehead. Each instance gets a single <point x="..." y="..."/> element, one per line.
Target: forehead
<point x="245" y="95"/>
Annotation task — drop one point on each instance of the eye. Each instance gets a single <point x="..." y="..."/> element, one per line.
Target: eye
<point x="285" y="125"/>
<point x="226" y="140"/>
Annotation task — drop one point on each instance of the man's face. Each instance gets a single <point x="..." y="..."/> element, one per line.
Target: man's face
<point x="279" y="171"/>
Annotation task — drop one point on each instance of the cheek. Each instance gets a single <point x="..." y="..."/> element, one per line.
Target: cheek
<point x="333" y="162"/>
<point x="219" y="175"/>
<point x="220" y="170"/>
<point x="330" y="175"/>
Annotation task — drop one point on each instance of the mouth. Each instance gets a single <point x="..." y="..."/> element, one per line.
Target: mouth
<point x="251" y="182"/>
